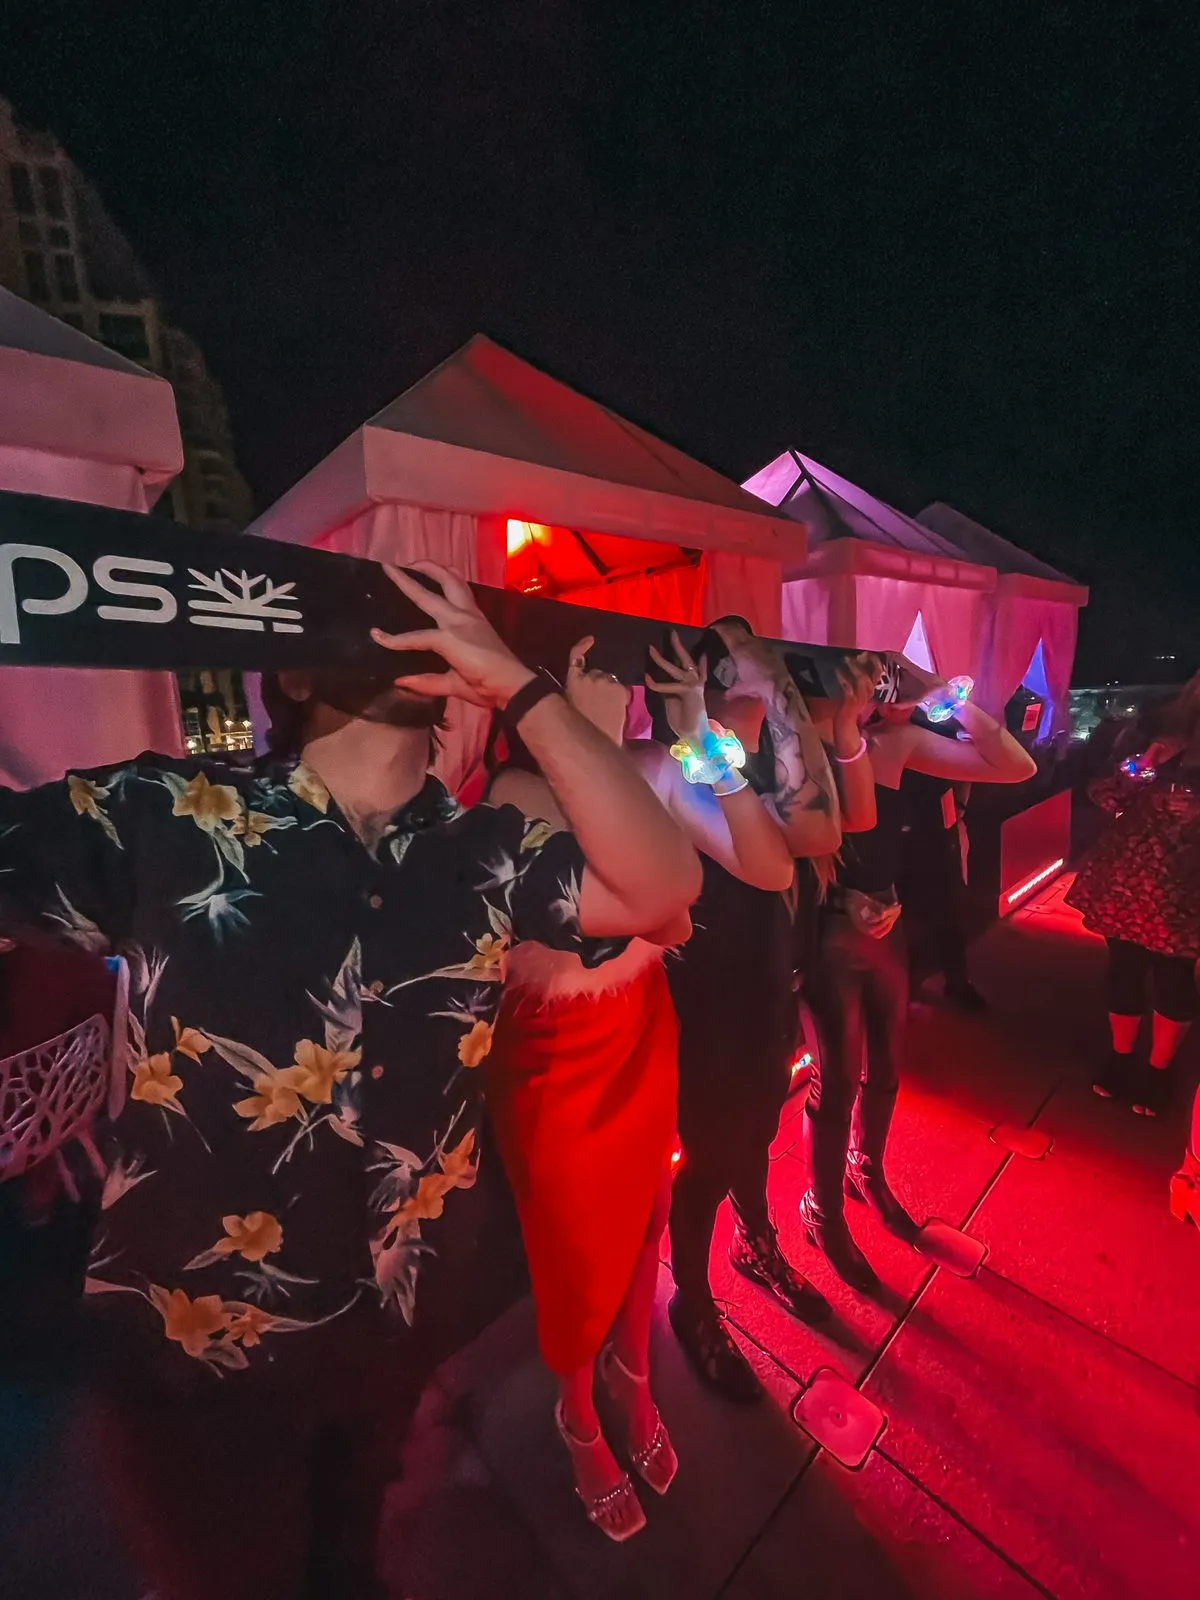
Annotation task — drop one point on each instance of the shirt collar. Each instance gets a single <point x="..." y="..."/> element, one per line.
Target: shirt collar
<point x="433" y="804"/>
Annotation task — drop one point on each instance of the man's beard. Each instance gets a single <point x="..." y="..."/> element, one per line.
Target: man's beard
<point x="378" y="700"/>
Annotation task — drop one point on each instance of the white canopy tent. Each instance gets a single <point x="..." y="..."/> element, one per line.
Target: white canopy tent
<point x="1034" y="619"/>
<point x="511" y="478"/>
<point x="872" y="577"/>
<point x="80" y="423"/>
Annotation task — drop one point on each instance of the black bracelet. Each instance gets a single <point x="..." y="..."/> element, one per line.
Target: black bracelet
<point x="532" y="694"/>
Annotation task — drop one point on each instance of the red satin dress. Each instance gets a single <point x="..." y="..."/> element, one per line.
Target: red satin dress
<point x="581" y="1082"/>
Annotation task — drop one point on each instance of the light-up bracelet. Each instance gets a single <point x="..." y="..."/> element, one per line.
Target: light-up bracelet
<point x="717" y="763"/>
<point x="948" y="701"/>
<point x="1133" y="769"/>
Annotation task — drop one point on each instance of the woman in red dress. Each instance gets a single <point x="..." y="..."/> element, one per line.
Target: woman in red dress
<point x="581" y="1083"/>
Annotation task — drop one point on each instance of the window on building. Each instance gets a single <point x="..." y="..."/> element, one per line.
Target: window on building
<point x="22" y="189"/>
<point x="60" y="239"/>
<point x="53" y="199"/>
<point x="35" y="276"/>
<point x="30" y="232"/>
<point x="125" y="333"/>
<point x="68" y="279"/>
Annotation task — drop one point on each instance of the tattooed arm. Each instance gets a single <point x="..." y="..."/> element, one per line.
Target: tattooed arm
<point x="805" y="795"/>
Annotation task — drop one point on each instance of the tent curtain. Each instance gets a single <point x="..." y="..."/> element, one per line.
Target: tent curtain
<point x="742" y="586"/>
<point x="1019" y="626"/>
<point x="806" y="608"/>
<point x="955" y="627"/>
<point x="674" y="595"/>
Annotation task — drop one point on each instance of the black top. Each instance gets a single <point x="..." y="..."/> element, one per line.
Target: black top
<point x="308" y="1021"/>
<point x="732" y="981"/>
<point x="871" y="861"/>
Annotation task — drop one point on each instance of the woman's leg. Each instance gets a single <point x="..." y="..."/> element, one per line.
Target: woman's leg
<point x="631" y="1330"/>
<point x="1128" y="969"/>
<point x="836" y="1000"/>
<point x="598" y="1477"/>
<point x="885" y="1009"/>
<point x="1175" y="1006"/>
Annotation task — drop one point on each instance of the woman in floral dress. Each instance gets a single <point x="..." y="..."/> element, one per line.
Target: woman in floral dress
<point x="1140" y="889"/>
<point x="581" y="1081"/>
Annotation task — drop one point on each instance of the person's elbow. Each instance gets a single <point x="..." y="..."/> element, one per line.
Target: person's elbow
<point x="662" y="895"/>
<point x="814" y="835"/>
<point x="774" y="873"/>
<point x="1019" y="767"/>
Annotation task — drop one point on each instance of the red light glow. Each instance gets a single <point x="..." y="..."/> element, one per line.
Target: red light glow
<point x="520" y="534"/>
<point x="676" y="1157"/>
<point x="1023" y="889"/>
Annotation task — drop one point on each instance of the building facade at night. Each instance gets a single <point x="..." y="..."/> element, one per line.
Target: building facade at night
<point x="61" y="250"/>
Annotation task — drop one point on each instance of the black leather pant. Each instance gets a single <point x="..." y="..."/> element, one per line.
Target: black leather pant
<point x="859" y="999"/>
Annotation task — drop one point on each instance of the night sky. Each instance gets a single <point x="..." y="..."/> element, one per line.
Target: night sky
<point x="950" y="251"/>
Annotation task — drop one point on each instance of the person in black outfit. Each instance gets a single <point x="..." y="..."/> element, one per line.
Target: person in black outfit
<point x="733" y="991"/>
<point x="932" y="880"/>
<point x="859" y="994"/>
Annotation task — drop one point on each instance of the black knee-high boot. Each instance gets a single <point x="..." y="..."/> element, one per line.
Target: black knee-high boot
<point x="822" y="1209"/>
<point x="865" y="1178"/>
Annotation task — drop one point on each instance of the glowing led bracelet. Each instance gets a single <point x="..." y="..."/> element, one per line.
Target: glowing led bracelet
<point x="1134" y="769"/>
<point x="942" y="706"/>
<point x="717" y="763"/>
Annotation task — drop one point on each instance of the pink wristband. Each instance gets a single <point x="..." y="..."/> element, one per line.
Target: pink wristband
<point x="857" y="756"/>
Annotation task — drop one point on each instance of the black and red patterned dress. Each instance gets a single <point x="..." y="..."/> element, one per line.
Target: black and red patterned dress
<point x="1141" y="883"/>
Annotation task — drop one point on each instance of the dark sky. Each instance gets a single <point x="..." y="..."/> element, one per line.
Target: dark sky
<point x="951" y="251"/>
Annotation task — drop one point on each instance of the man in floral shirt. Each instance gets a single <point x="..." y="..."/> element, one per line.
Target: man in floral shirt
<point x="316" y="951"/>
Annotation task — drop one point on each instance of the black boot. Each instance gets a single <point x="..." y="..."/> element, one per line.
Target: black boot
<point x="756" y="1255"/>
<point x="822" y="1209"/>
<point x="865" y="1178"/>
<point x="712" y="1354"/>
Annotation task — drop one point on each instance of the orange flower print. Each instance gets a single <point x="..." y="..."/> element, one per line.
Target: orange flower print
<point x="457" y="1165"/>
<point x="208" y="804"/>
<point x="274" y="1100"/>
<point x="252" y="826"/>
<point x="85" y="795"/>
<point x="189" y="1041"/>
<point x="156" y="1084"/>
<point x="306" y="786"/>
<point x="191" y="1323"/>
<point x="248" y="1323"/>
<point x="490" y="952"/>
<point x="253" y="1236"/>
<point x="473" y="1047"/>
<point x="429" y="1201"/>
<point x="317" y="1070"/>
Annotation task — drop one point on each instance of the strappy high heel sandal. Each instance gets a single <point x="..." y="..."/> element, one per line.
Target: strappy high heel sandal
<point x="602" y="1509"/>
<point x="655" y="1463"/>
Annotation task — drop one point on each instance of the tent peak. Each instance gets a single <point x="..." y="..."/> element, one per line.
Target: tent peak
<point x="485" y="398"/>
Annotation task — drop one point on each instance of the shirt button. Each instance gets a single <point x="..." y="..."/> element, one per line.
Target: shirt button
<point x="376" y="987"/>
<point x="375" y="902"/>
<point x="377" y="1072"/>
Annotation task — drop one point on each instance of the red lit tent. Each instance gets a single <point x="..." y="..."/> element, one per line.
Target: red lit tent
<point x="513" y="479"/>
<point x="80" y="423"/>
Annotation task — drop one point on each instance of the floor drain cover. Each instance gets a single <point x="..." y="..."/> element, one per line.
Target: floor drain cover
<point x="841" y="1420"/>
<point x="1026" y="1142"/>
<point x="950" y="1248"/>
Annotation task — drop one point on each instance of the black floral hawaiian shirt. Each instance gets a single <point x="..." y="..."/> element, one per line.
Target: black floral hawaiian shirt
<point x="307" y="1023"/>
